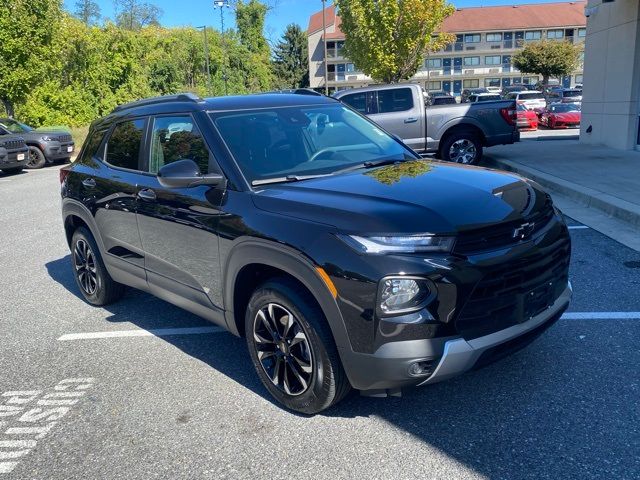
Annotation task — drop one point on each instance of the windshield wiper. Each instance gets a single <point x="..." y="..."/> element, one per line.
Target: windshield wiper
<point x="287" y="179"/>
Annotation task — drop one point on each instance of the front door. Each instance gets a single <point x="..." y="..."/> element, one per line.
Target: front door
<point x="178" y="226"/>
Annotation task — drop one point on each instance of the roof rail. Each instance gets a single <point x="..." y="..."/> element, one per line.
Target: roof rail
<point x="180" y="97"/>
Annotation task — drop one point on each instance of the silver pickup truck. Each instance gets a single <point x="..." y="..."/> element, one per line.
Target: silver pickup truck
<point x="455" y="133"/>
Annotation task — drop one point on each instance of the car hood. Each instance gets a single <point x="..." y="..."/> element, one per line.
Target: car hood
<point x="567" y="116"/>
<point x="37" y="134"/>
<point x="410" y="197"/>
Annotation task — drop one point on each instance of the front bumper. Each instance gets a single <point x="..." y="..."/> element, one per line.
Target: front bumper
<point x="56" y="151"/>
<point x="461" y="355"/>
<point x="13" y="158"/>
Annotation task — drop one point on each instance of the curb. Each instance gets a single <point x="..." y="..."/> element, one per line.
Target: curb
<point x="608" y="204"/>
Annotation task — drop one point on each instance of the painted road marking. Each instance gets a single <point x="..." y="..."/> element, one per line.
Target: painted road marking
<point x="160" y="332"/>
<point x="578" y="227"/>
<point x="29" y="425"/>
<point x="601" y="316"/>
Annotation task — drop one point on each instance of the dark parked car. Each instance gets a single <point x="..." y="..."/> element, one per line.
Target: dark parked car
<point x="467" y="92"/>
<point x="299" y="224"/>
<point x="45" y="145"/>
<point x="440" y="98"/>
<point x="14" y="153"/>
<point x="564" y="95"/>
<point x="516" y="87"/>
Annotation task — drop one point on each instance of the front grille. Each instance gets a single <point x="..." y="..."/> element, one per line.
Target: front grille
<point x="13" y="144"/>
<point x="502" y="235"/>
<point x="516" y="291"/>
<point x="65" y="138"/>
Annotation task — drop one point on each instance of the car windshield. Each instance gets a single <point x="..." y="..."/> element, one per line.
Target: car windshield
<point x="531" y="96"/>
<point x="295" y="142"/>
<point x="572" y="93"/>
<point x="15" y="127"/>
<point x="565" y="107"/>
<point x="488" y="98"/>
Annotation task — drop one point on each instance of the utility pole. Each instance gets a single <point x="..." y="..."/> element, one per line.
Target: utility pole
<point x="324" y="43"/>
<point x="206" y="57"/>
<point x="221" y="4"/>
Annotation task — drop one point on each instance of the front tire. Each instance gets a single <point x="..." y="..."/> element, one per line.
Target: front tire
<point x="462" y="147"/>
<point x="36" y="158"/>
<point x="292" y="348"/>
<point x="95" y="284"/>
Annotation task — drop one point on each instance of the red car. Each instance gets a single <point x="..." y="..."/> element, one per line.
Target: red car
<point x="527" y="119"/>
<point x="561" y="115"/>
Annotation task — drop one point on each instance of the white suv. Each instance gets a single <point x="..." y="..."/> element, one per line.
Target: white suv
<point x="531" y="100"/>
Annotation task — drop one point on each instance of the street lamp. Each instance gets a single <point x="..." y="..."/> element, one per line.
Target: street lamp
<point x="206" y="55"/>
<point x="221" y="4"/>
<point x="324" y="42"/>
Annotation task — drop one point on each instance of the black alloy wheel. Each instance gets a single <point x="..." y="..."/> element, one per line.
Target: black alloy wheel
<point x="85" y="263"/>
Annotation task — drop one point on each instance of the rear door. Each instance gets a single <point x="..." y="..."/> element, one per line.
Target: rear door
<point x="397" y="112"/>
<point x="179" y="226"/>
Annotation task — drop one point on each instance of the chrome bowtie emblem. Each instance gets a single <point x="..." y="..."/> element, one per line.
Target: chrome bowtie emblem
<point x="523" y="231"/>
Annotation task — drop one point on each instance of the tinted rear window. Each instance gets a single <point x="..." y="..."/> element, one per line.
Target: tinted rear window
<point x="123" y="148"/>
<point x="531" y="96"/>
<point x="357" y="101"/>
<point x="396" y="100"/>
<point x="91" y="145"/>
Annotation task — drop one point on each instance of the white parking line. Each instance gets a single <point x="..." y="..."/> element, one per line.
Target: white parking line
<point x="160" y="332"/>
<point x="578" y="227"/>
<point x="601" y="316"/>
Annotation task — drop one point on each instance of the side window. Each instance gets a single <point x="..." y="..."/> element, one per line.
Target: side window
<point x="357" y="101"/>
<point x="91" y="145"/>
<point x="177" y="138"/>
<point x="395" y="100"/>
<point x="123" y="148"/>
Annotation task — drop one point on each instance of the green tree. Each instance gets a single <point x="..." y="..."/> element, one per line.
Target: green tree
<point x="134" y="14"/>
<point x="291" y="58"/>
<point x="549" y="58"/>
<point x="250" y="18"/>
<point x="88" y="11"/>
<point x="388" y="39"/>
<point x="26" y="31"/>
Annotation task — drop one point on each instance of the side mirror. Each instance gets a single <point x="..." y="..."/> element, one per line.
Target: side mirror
<point x="186" y="174"/>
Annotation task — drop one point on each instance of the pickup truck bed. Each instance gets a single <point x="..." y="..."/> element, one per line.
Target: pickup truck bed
<point x="454" y="132"/>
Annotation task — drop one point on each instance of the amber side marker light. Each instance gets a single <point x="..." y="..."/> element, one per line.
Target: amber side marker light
<point x="328" y="282"/>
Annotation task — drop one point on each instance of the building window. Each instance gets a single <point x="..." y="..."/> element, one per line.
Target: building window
<point x="493" y="60"/>
<point x="491" y="82"/>
<point x="471" y="61"/>
<point x="433" y="63"/>
<point x="533" y="35"/>
<point x="581" y="57"/>
<point x="494" y="37"/>
<point x="471" y="83"/>
<point x="582" y="32"/>
<point x="555" y="34"/>
<point x="335" y="49"/>
<point x="433" y="86"/>
<point x="578" y="78"/>
<point x="530" y="80"/>
<point x="472" y="38"/>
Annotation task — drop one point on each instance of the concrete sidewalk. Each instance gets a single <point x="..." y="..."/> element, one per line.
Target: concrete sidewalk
<point x="596" y="185"/>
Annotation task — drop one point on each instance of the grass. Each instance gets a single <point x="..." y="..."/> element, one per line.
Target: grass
<point x="79" y="135"/>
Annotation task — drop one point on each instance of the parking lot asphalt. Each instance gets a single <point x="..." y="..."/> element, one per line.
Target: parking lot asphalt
<point x="190" y="406"/>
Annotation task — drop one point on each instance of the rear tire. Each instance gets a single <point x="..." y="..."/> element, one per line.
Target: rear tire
<point x="462" y="147"/>
<point x="36" y="158"/>
<point x="95" y="284"/>
<point x="12" y="171"/>
<point x="292" y="348"/>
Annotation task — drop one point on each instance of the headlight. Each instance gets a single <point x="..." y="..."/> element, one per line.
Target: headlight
<point x="402" y="295"/>
<point x="400" y="244"/>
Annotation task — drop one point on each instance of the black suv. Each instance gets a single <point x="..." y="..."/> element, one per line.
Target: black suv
<point x="344" y="258"/>
<point x="45" y="145"/>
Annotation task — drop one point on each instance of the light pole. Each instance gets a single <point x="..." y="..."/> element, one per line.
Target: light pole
<point x="206" y="57"/>
<point x="324" y="43"/>
<point x="221" y="4"/>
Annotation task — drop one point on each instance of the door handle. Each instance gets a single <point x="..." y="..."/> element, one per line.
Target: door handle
<point x="410" y="120"/>
<point x="89" y="182"/>
<point x="147" y="194"/>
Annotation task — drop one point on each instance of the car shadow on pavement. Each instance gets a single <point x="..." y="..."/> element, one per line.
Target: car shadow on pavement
<point x="554" y="410"/>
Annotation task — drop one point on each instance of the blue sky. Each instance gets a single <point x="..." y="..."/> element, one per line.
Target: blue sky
<point x="200" y="12"/>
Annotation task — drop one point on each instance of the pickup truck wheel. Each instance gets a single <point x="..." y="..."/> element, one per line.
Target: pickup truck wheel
<point x="462" y="148"/>
<point x="93" y="280"/>
<point x="292" y="348"/>
<point x="36" y="158"/>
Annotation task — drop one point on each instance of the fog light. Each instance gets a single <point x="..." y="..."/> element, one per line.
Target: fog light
<point x="402" y="295"/>
<point x="421" y="369"/>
